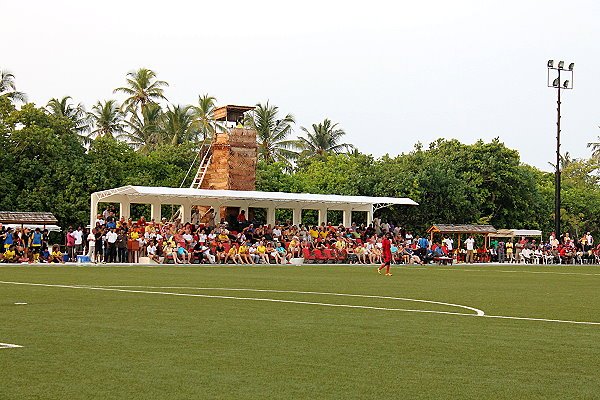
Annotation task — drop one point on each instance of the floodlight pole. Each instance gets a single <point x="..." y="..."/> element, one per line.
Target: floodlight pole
<point x="557" y="173"/>
<point x="558" y="84"/>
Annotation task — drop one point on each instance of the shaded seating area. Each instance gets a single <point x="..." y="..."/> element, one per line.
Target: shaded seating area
<point x="481" y="254"/>
<point x="29" y="220"/>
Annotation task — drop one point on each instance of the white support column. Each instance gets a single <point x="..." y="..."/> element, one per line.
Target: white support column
<point x="155" y="211"/>
<point x="322" y="215"/>
<point x="271" y="216"/>
<point x="217" y="208"/>
<point x="125" y="209"/>
<point x="296" y="216"/>
<point x="186" y="212"/>
<point x="370" y="216"/>
<point x="347" y="217"/>
<point x="93" y="210"/>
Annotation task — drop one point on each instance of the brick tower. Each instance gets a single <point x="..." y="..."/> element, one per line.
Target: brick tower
<point x="230" y="162"/>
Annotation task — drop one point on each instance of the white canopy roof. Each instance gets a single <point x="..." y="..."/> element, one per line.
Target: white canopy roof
<point x="235" y="198"/>
<point x="216" y="199"/>
<point x="526" y="232"/>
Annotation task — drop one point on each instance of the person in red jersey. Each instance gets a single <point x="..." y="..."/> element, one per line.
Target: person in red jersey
<point x="386" y="247"/>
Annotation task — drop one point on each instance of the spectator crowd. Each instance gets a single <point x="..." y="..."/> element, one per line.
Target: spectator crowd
<point x="117" y="240"/>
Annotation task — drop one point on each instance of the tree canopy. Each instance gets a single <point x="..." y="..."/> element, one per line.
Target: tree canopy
<point x="47" y="166"/>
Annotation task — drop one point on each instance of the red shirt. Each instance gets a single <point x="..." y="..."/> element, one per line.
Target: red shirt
<point x="387" y="248"/>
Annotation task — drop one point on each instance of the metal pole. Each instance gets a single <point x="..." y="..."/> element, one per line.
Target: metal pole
<point x="557" y="177"/>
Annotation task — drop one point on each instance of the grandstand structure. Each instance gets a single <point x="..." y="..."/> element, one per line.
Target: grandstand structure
<point x="226" y="181"/>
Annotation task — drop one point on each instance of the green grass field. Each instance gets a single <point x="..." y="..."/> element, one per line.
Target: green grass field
<point x="83" y="343"/>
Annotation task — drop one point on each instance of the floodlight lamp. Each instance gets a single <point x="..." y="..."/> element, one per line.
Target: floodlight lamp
<point x="550" y="63"/>
<point x="566" y="84"/>
<point x="571" y="66"/>
<point x="561" y="64"/>
<point x="556" y="82"/>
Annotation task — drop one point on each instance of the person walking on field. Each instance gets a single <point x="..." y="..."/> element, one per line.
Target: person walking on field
<point x="470" y="243"/>
<point x="386" y="247"/>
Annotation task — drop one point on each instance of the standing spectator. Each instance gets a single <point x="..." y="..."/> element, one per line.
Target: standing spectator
<point x="2" y="236"/>
<point x="589" y="239"/>
<point x="121" y="244"/>
<point x="78" y="235"/>
<point x="36" y="244"/>
<point x="91" y="240"/>
<point x="111" y="242"/>
<point x="99" y="242"/>
<point x="70" y="242"/>
<point x="449" y="243"/>
<point x="470" y="244"/>
<point x="501" y="252"/>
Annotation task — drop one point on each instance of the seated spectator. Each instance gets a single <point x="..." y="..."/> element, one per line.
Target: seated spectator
<point x="252" y="251"/>
<point x="283" y="253"/>
<point x="361" y="255"/>
<point x="56" y="256"/>
<point x="244" y="254"/>
<point x="272" y="252"/>
<point x="151" y="250"/>
<point x="231" y="254"/>
<point x="261" y="250"/>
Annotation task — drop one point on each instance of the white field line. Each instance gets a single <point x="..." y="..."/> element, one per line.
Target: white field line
<point x="9" y="346"/>
<point x="477" y="311"/>
<point x="497" y="270"/>
<point x="241" y="298"/>
<point x="302" y="302"/>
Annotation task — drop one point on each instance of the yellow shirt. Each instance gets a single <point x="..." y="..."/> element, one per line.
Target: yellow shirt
<point x="9" y="254"/>
<point x="232" y="251"/>
<point x="261" y="249"/>
<point x="323" y="234"/>
<point x="243" y="250"/>
<point x="56" y="254"/>
<point x="314" y="233"/>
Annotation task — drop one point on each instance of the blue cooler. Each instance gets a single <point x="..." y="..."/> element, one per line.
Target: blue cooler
<point x="83" y="259"/>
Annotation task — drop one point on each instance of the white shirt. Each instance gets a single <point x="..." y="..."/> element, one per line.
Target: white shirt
<point x="470" y="242"/>
<point x="99" y="222"/>
<point x="448" y="242"/>
<point x="188" y="238"/>
<point x="111" y="237"/>
<point x="78" y="235"/>
<point x="409" y="239"/>
<point x="276" y="232"/>
<point x="202" y="238"/>
<point x="151" y="250"/>
<point x="91" y="240"/>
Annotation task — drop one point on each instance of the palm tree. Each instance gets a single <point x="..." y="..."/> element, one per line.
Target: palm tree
<point x="107" y="118"/>
<point x="8" y="88"/>
<point x="204" y="120"/>
<point x="272" y="132"/>
<point x="142" y="88"/>
<point x="565" y="161"/>
<point x="595" y="149"/>
<point x="324" y="139"/>
<point x="144" y="131"/>
<point x="177" y="125"/>
<point x="74" y="112"/>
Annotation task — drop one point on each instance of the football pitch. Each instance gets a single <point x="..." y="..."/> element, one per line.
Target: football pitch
<point x="300" y="332"/>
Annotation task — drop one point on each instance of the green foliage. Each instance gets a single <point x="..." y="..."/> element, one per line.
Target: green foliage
<point x="46" y="167"/>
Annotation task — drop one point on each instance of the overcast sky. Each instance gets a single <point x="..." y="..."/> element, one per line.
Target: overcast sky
<point x="391" y="73"/>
